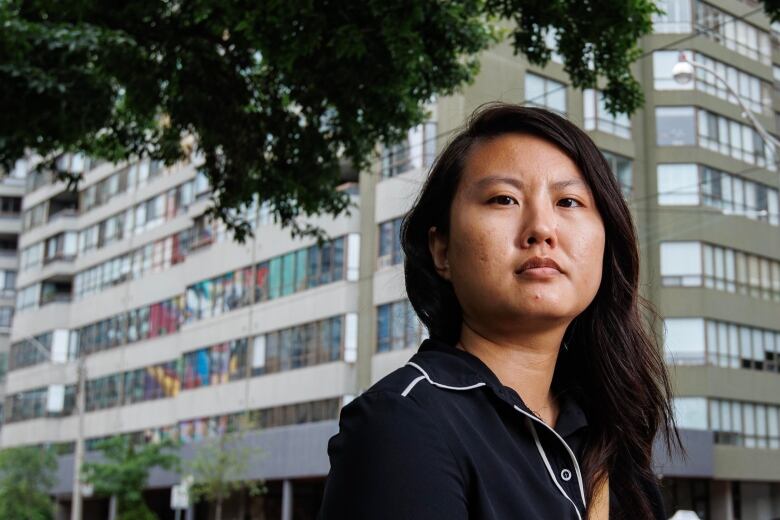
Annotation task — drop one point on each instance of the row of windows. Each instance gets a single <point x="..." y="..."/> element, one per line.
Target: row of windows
<point x="129" y="178"/>
<point x="738" y="423"/>
<point x="734" y="34"/>
<point x="699" y="341"/>
<point x="42" y="293"/>
<point x="32" y="404"/>
<point x="296" y="271"/>
<point x="132" y="176"/>
<point x="153" y="257"/>
<point x="280" y="276"/>
<point x="551" y="94"/>
<point x="147" y="383"/>
<point x="694" y="264"/>
<point x="61" y="246"/>
<point x="305" y="345"/>
<point x="147" y="322"/>
<point x="715" y="24"/>
<point x="71" y="162"/>
<point x="398" y="327"/>
<point x="214" y="365"/>
<point x="142" y="217"/>
<point x="692" y="185"/>
<point x="756" y="93"/>
<point x="300" y="413"/>
<point x="31" y="351"/>
<point x="309" y="344"/>
<point x="691" y="126"/>
<point x="195" y="430"/>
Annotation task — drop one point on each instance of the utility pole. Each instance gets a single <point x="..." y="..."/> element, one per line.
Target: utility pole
<point x="78" y="456"/>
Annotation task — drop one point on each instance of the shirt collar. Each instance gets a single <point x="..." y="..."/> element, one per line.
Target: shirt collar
<point x="453" y="367"/>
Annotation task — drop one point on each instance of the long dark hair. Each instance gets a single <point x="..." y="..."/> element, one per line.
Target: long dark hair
<point x="612" y="354"/>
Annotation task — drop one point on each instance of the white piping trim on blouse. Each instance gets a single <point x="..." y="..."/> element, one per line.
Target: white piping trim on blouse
<point x="568" y="449"/>
<point x="411" y="385"/>
<point x="431" y="381"/>
<point x="549" y="468"/>
<point x="536" y="438"/>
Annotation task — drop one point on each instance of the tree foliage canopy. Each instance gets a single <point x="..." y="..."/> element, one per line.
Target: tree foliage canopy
<point x="219" y="468"/>
<point x="279" y="95"/>
<point x="26" y="476"/>
<point x="124" y="470"/>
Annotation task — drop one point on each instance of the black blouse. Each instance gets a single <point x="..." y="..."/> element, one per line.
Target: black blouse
<point x="442" y="439"/>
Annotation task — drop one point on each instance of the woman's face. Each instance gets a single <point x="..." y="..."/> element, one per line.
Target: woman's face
<point x="520" y="205"/>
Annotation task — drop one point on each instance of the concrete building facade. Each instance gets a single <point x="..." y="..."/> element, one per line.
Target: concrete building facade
<point x="185" y="331"/>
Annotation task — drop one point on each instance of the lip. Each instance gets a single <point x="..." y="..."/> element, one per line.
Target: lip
<point x="540" y="265"/>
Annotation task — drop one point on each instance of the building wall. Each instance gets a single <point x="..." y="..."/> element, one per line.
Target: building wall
<point x="383" y="198"/>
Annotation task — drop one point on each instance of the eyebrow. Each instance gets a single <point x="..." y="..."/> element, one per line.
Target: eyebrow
<point x="517" y="183"/>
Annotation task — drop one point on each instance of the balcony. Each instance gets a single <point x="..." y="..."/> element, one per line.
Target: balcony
<point x="57" y="289"/>
<point x="65" y="204"/>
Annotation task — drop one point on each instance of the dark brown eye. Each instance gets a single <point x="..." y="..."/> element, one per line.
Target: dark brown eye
<point x="503" y="200"/>
<point x="568" y="202"/>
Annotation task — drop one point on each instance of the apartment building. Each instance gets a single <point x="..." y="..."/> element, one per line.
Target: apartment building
<point x="12" y="189"/>
<point x="185" y="331"/>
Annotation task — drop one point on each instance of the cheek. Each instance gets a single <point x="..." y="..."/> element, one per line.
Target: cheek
<point x="479" y="246"/>
<point x="588" y="251"/>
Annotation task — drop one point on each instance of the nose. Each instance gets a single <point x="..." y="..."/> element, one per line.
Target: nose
<point x="539" y="224"/>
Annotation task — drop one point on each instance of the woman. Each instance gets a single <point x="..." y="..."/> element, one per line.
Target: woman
<point x="540" y="390"/>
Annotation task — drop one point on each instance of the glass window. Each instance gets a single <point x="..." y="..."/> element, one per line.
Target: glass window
<point x="678" y="184"/>
<point x="690" y="412"/>
<point x="684" y="341"/>
<point x="676" y="17"/>
<point x="663" y="63"/>
<point x="681" y="263"/>
<point x="383" y="328"/>
<point x="598" y="118"/>
<point x="274" y="277"/>
<point x="288" y="274"/>
<point x="675" y="126"/>
<point x="545" y="92"/>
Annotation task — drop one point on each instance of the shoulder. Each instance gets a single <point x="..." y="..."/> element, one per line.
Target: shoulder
<point x="390" y="453"/>
<point x="389" y="402"/>
<point x="402" y="413"/>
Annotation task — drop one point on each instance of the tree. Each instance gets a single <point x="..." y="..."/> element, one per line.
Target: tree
<point x="219" y="468"/>
<point x="279" y="95"/>
<point x="124" y="470"/>
<point x="26" y="476"/>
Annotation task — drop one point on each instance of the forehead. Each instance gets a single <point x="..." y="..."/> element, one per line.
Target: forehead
<point x="527" y="158"/>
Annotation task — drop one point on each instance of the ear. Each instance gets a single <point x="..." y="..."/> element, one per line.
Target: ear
<point x="437" y="244"/>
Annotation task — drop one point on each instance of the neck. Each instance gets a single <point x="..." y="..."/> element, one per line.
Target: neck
<point x="524" y="362"/>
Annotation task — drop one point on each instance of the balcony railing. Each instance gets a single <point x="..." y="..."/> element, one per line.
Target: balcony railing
<point x="55" y="298"/>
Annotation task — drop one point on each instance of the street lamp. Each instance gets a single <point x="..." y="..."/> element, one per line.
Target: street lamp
<point x="76" y="502"/>
<point x="683" y="72"/>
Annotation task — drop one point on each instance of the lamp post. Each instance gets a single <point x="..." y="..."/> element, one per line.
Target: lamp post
<point x="683" y="72"/>
<point x="76" y="502"/>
